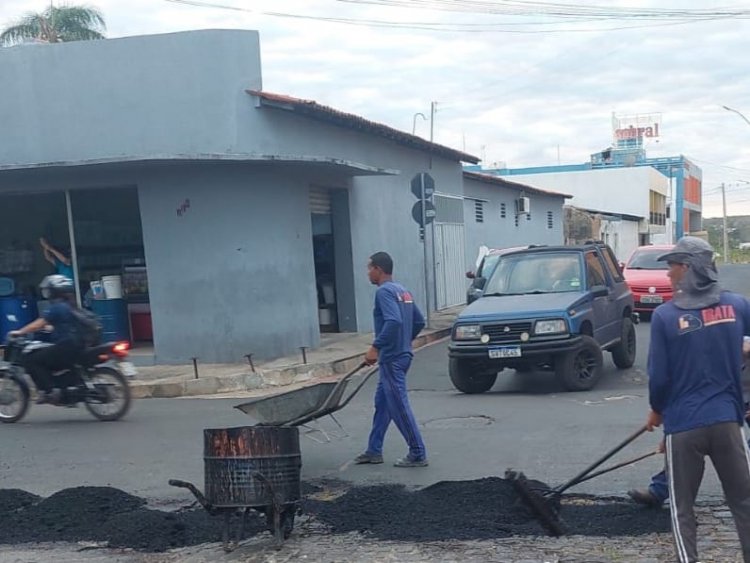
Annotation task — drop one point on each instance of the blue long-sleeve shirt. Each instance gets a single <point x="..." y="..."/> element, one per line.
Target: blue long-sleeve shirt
<point x="398" y="321"/>
<point x="695" y="361"/>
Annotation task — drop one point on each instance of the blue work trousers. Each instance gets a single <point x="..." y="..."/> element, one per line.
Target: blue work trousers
<point x="392" y="404"/>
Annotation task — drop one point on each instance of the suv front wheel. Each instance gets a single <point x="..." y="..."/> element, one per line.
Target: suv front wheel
<point x="623" y="355"/>
<point x="581" y="369"/>
<point x="468" y="377"/>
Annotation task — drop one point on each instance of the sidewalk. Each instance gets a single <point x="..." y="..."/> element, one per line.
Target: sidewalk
<point x="337" y="354"/>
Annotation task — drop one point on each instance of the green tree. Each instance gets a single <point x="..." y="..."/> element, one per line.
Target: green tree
<point x="56" y="24"/>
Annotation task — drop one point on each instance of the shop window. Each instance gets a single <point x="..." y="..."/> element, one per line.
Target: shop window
<point x="479" y="211"/>
<point x="550" y="223"/>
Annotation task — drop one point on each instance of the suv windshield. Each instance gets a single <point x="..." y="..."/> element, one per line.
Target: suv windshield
<point x="646" y="260"/>
<point x="488" y="264"/>
<point x="540" y="272"/>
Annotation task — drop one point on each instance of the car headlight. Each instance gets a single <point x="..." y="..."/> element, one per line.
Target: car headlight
<point x="468" y="332"/>
<point x="551" y="326"/>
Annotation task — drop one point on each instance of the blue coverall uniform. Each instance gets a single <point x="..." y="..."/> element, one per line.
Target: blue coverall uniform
<point x="397" y="322"/>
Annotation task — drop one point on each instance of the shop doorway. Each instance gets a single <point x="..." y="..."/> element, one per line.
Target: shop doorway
<point x="98" y="235"/>
<point x="332" y="257"/>
<point x="111" y="260"/>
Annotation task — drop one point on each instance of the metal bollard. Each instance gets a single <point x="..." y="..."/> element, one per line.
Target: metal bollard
<point x="250" y="361"/>
<point x="304" y="354"/>
<point x="195" y="367"/>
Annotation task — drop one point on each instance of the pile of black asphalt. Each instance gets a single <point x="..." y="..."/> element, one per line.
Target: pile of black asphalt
<point x="460" y="510"/>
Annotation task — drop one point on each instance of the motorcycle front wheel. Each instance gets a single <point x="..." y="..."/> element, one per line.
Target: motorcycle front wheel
<point x="110" y="398"/>
<point x="14" y="398"/>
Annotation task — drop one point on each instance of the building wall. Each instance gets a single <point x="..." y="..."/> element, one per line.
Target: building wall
<point x="234" y="273"/>
<point x="609" y="190"/>
<point x="158" y="95"/>
<point x="231" y="275"/>
<point x="497" y="231"/>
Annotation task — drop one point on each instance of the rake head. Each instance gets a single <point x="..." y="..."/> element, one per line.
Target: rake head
<point x="543" y="501"/>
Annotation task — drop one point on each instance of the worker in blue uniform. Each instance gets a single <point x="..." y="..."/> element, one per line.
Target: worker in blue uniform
<point x="398" y="321"/>
<point x="695" y="391"/>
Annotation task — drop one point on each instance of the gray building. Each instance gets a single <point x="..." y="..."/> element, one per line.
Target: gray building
<point x="502" y="214"/>
<point x="239" y="220"/>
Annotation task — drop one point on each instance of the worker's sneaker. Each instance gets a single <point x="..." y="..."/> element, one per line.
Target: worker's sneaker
<point x="409" y="462"/>
<point x="644" y="497"/>
<point x="368" y="458"/>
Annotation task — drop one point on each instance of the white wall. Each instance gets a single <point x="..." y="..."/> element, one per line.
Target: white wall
<point x="611" y="190"/>
<point x="622" y="236"/>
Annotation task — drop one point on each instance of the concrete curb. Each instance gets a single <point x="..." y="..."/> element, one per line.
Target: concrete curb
<point x="246" y="380"/>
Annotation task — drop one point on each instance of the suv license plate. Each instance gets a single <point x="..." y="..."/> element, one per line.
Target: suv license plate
<point x="505" y="352"/>
<point x="652" y="299"/>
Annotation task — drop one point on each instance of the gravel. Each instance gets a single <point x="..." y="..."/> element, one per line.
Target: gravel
<point x="461" y="510"/>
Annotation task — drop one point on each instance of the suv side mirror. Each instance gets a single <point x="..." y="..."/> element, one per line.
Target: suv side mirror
<point x="599" y="290"/>
<point x="471" y="275"/>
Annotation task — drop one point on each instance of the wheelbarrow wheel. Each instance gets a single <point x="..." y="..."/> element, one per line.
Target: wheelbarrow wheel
<point x="287" y="522"/>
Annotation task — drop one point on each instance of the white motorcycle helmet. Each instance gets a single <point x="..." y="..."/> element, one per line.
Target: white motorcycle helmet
<point x="56" y="286"/>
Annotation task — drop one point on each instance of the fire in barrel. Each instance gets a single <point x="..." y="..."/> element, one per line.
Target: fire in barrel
<point x="251" y="467"/>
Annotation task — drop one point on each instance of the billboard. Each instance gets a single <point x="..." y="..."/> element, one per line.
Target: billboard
<point x="636" y="127"/>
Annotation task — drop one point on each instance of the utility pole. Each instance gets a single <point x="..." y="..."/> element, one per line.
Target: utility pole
<point x="433" y="106"/>
<point x="726" y="236"/>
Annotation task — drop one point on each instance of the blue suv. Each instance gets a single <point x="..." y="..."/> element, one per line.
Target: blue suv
<point x="546" y="307"/>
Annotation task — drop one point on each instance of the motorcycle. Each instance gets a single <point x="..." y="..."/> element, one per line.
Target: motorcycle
<point x="98" y="379"/>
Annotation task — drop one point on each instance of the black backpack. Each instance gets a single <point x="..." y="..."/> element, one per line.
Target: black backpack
<point x="88" y="325"/>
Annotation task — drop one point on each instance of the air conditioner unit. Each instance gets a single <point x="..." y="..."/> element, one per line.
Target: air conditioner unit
<point x="524" y="205"/>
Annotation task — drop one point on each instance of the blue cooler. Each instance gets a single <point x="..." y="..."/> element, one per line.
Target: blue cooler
<point x="16" y="312"/>
<point x="113" y="314"/>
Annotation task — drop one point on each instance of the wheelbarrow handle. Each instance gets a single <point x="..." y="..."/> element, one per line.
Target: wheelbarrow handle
<point x="601" y="460"/>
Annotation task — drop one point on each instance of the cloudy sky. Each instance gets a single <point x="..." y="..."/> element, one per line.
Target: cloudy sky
<point x="521" y="89"/>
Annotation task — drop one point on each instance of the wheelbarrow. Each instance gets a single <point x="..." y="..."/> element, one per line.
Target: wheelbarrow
<point x="250" y="467"/>
<point x="258" y="467"/>
<point x="300" y="406"/>
<point x="544" y="501"/>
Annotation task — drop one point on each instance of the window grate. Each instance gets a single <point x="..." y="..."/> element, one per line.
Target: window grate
<point x="528" y="216"/>
<point x="479" y="211"/>
<point x="503" y="211"/>
<point x="550" y="223"/>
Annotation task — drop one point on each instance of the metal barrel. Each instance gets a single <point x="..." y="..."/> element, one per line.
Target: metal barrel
<point x="234" y="458"/>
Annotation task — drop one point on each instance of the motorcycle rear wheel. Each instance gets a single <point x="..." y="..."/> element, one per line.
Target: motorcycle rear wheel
<point x="112" y="400"/>
<point x="15" y="397"/>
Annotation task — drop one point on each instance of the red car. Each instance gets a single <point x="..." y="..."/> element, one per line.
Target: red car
<point x="647" y="278"/>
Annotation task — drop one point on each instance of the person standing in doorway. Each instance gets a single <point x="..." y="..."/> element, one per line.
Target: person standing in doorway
<point x="694" y="364"/>
<point x="62" y="264"/>
<point x="398" y="321"/>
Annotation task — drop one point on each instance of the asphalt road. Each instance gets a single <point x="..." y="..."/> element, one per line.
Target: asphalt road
<point x="525" y="422"/>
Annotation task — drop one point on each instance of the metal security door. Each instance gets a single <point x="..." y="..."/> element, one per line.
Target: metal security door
<point x="449" y="264"/>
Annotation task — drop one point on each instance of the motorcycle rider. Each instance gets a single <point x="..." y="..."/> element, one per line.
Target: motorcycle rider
<point x="66" y="338"/>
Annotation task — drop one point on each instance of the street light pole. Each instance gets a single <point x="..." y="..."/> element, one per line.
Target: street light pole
<point x="726" y="236"/>
<point x="738" y="113"/>
<point x="414" y="121"/>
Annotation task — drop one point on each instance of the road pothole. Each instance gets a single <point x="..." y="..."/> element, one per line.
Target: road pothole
<point x="472" y="421"/>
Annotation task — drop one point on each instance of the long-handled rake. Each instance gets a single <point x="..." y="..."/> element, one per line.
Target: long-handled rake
<point x="544" y="502"/>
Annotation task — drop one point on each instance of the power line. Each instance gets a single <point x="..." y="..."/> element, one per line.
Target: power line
<point x="447" y="27"/>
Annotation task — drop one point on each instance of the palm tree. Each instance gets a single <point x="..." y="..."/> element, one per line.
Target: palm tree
<point x="56" y="24"/>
